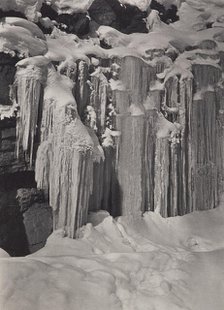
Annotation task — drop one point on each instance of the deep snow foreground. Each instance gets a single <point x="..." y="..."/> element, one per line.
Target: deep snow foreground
<point x="141" y="263"/>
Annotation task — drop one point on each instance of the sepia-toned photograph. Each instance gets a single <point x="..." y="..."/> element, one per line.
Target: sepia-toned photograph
<point x="112" y="154"/>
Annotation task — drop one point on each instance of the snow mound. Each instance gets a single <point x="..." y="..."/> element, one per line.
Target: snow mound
<point x="132" y="263"/>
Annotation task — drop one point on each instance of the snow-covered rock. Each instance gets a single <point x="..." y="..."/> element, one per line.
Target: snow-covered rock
<point x="30" y="8"/>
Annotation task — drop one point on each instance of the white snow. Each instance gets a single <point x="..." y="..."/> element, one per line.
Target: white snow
<point x="116" y="84"/>
<point x="71" y="6"/>
<point x="21" y="22"/>
<point x="3" y="253"/>
<point x="62" y="46"/>
<point x="132" y="263"/>
<point x="108" y="137"/>
<point x="136" y="110"/>
<point x="7" y="111"/>
<point x="166" y="128"/>
<point x="194" y="14"/>
<point x="38" y="61"/>
<point x="141" y="4"/>
<point x="91" y="117"/>
<point x="21" y="36"/>
<point x="163" y="37"/>
<point x="59" y="89"/>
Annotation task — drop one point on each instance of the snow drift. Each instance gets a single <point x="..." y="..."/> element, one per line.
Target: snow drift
<point x="135" y="263"/>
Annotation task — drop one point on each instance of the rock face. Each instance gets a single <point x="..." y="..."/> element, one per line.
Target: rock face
<point x="25" y="222"/>
<point x="133" y="128"/>
<point x="7" y="73"/>
<point x="38" y="224"/>
<point x="127" y="19"/>
<point x="167" y="15"/>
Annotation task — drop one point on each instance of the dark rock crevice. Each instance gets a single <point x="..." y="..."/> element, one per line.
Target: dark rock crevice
<point x="25" y="217"/>
<point x="167" y="15"/>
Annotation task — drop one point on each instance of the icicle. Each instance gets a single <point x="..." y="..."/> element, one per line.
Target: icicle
<point x="82" y="87"/>
<point x="186" y="94"/>
<point x="29" y="82"/>
<point x="162" y="162"/>
<point x="42" y="166"/>
<point x="103" y="99"/>
<point x="130" y="163"/>
<point x="66" y="156"/>
<point x="98" y="98"/>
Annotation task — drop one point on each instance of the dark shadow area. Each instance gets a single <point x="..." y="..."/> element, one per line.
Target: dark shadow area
<point x="125" y="18"/>
<point x="13" y="237"/>
<point x="77" y="23"/>
<point x="104" y="45"/>
<point x="209" y="25"/>
<point x="7" y="75"/>
<point x="48" y="11"/>
<point x="11" y="13"/>
<point x="16" y="180"/>
<point x="112" y="193"/>
<point x="167" y="15"/>
<point x="116" y="198"/>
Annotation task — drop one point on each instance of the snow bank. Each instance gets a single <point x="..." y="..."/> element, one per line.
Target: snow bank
<point x="131" y="264"/>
